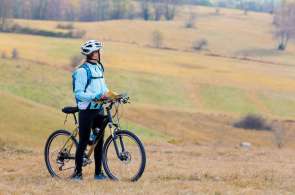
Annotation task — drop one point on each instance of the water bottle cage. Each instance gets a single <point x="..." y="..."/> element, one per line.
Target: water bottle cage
<point x="93" y="135"/>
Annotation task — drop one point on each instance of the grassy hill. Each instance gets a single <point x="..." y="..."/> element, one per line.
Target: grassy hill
<point x="32" y="96"/>
<point x="183" y="103"/>
<point x="231" y="33"/>
<point x="172" y="78"/>
<point x="26" y="123"/>
<point x="260" y="80"/>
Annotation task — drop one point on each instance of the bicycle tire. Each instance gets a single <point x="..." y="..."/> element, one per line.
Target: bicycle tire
<point x="47" y="147"/>
<point x="109" y="140"/>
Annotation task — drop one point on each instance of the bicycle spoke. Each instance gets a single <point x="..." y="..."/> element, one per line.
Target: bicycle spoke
<point x="61" y="155"/>
<point x="127" y="165"/>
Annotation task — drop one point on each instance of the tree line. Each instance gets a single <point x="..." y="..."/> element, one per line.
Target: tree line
<point x="71" y="10"/>
<point x="97" y="10"/>
<point x="87" y="10"/>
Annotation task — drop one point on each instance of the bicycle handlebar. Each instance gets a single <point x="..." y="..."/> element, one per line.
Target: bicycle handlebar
<point x="121" y="98"/>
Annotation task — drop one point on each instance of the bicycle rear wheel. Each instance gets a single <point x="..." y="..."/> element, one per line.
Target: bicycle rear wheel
<point x="59" y="153"/>
<point x="128" y="162"/>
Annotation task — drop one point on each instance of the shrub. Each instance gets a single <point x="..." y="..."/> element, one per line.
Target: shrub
<point x="16" y="28"/>
<point x="254" y="122"/>
<point x="217" y="11"/>
<point x="65" y="26"/>
<point x="191" y="21"/>
<point x="15" y="54"/>
<point x="279" y="134"/>
<point x="200" y="44"/>
<point x="77" y="33"/>
<point x="157" y="39"/>
<point x="3" y="55"/>
<point x="75" y="61"/>
<point x="281" y="47"/>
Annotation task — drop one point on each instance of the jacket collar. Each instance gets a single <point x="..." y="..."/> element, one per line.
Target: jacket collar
<point x="92" y="62"/>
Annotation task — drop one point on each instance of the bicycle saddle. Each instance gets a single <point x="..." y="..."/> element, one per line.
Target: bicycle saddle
<point x="70" y="110"/>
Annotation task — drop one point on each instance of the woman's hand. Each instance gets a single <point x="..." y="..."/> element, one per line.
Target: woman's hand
<point x="107" y="96"/>
<point x="111" y="94"/>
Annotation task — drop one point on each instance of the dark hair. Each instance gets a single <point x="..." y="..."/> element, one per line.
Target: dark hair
<point x="88" y="56"/>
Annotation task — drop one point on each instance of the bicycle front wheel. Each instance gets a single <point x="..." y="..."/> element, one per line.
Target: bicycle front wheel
<point x="124" y="156"/>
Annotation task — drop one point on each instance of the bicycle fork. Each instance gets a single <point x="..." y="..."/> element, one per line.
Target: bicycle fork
<point x="120" y="154"/>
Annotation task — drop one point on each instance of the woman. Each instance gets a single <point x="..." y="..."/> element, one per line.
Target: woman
<point x="89" y="86"/>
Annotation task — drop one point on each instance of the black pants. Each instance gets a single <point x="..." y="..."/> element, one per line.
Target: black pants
<point x="90" y="119"/>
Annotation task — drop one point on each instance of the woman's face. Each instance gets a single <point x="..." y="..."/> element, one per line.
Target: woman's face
<point x="95" y="55"/>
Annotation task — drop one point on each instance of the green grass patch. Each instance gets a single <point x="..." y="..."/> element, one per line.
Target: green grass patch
<point x="53" y="86"/>
<point x="40" y="83"/>
<point x="226" y="99"/>
<point x="144" y="133"/>
<point x="280" y="104"/>
<point x="149" y="88"/>
<point x="55" y="51"/>
<point x="26" y="123"/>
<point x="62" y="49"/>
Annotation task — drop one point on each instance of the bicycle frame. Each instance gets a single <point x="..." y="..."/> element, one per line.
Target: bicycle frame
<point x="113" y="128"/>
<point x="62" y="154"/>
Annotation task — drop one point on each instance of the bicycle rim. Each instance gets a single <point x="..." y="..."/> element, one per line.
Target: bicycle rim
<point x="131" y="166"/>
<point x="61" y="147"/>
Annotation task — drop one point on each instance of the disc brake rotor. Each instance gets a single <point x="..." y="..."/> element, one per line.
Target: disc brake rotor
<point x="126" y="157"/>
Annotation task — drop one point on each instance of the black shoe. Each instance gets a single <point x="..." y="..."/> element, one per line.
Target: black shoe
<point x="77" y="176"/>
<point x="100" y="176"/>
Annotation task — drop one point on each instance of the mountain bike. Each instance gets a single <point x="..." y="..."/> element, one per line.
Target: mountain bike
<point x="124" y="156"/>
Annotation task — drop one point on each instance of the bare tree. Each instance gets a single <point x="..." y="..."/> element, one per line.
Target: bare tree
<point x="145" y="9"/>
<point x="3" y="55"/>
<point x="5" y="11"/>
<point x="170" y="9"/>
<point x="157" y="39"/>
<point x="191" y="20"/>
<point x="103" y="10"/>
<point x="165" y="8"/>
<point x="158" y="10"/>
<point x="278" y="134"/>
<point x="39" y="9"/>
<point x="15" y="54"/>
<point x="118" y="9"/>
<point x="131" y="11"/>
<point x="244" y="6"/>
<point x="284" y="24"/>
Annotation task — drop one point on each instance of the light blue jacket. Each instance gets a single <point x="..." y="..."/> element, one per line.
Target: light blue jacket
<point x="95" y="89"/>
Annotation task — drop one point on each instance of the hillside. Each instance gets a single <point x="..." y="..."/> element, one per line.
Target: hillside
<point x="25" y="123"/>
<point x="184" y="103"/>
<point x="231" y="33"/>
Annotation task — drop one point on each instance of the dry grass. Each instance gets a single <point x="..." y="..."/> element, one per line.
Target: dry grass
<point x="187" y="99"/>
<point x="231" y="33"/>
<point x="183" y="169"/>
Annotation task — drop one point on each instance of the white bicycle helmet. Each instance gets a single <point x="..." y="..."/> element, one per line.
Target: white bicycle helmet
<point x="90" y="46"/>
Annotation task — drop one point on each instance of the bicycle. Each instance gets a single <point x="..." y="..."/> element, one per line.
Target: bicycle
<point x="60" y="162"/>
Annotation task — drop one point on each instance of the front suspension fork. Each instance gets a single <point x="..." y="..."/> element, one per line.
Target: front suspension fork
<point x="115" y="138"/>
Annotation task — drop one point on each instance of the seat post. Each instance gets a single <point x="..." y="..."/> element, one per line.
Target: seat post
<point x="75" y="118"/>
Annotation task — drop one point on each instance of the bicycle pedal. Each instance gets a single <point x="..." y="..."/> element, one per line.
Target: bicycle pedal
<point x="86" y="161"/>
